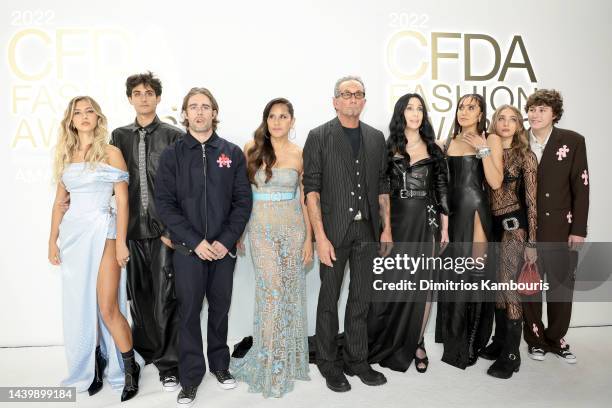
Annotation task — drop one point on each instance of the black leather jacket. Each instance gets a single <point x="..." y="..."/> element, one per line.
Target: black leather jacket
<point x="425" y="179"/>
<point x="159" y="136"/>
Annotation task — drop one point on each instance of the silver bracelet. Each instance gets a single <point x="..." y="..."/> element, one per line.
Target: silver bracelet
<point x="483" y="152"/>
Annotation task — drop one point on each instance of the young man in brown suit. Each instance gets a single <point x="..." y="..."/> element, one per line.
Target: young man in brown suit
<point x="563" y="207"/>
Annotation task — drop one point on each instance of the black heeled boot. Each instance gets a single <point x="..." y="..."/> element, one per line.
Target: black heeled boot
<point x="493" y="350"/>
<point x="510" y="359"/>
<point x="132" y="375"/>
<point x="474" y="311"/>
<point x="97" y="383"/>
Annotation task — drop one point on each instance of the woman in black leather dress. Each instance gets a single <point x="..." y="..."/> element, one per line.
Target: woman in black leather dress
<point x="464" y="320"/>
<point x="417" y="174"/>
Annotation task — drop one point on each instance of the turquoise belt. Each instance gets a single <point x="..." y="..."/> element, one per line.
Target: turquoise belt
<point x="278" y="196"/>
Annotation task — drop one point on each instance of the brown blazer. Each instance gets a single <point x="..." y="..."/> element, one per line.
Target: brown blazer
<point x="563" y="187"/>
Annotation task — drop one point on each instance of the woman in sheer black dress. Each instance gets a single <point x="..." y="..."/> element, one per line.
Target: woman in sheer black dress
<point x="514" y="225"/>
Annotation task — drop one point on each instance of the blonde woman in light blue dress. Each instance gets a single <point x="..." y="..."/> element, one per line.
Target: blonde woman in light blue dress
<point x="88" y="241"/>
<point x="280" y="241"/>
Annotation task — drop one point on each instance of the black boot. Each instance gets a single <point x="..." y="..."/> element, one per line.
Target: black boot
<point x="474" y="312"/>
<point x="510" y="359"/>
<point x="493" y="350"/>
<point x="97" y="383"/>
<point x="132" y="374"/>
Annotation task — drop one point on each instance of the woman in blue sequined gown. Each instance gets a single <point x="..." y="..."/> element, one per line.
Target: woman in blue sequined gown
<point x="279" y="236"/>
<point x="92" y="253"/>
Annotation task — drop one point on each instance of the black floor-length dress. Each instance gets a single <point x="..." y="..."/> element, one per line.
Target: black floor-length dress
<point x="463" y="323"/>
<point x="418" y="197"/>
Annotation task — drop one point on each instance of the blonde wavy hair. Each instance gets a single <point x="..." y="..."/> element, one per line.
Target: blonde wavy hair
<point x="68" y="142"/>
<point x="520" y="143"/>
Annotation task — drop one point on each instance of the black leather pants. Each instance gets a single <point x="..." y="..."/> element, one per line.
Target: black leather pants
<point x="153" y="305"/>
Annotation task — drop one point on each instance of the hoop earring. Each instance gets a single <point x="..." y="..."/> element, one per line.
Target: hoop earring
<point x="292" y="134"/>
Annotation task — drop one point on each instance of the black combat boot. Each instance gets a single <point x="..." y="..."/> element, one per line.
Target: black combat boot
<point x="509" y="360"/>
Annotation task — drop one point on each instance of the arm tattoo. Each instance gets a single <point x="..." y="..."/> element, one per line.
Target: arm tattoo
<point x="317" y="210"/>
<point x="314" y="210"/>
<point x="383" y="202"/>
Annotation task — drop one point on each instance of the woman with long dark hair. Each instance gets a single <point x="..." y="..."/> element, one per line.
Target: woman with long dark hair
<point x="280" y="243"/>
<point x="419" y="209"/>
<point x="464" y="320"/>
<point x="514" y="225"/>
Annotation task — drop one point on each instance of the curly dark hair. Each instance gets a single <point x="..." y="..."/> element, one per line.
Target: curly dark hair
<point x="396" y="143"/>
<point x="262" y="152"/>
<point x="547" y="97"/>
<point x="146" y="78"/>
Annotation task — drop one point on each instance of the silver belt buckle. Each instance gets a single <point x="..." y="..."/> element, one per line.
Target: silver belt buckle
<point x="276" y="196"/>
<point x="506" y="223"/>
<point x="357" y="216"/>
<point x="405" y="193"/>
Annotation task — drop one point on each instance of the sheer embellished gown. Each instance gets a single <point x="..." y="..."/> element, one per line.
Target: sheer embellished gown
<point x="276" y="234"/>
<point x="418" y="197"/>
<point x="83" y="232"/>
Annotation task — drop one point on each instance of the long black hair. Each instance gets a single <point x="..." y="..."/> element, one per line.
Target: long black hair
<point x="396" y="143"/>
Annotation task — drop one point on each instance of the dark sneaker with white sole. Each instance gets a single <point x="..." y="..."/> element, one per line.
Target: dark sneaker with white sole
<point x="170" y="383"/>
<point x="536" y="353"/>
<point x="224" y="379"/>
<point x="187" y="396"/>
<point x="566" y="355"/>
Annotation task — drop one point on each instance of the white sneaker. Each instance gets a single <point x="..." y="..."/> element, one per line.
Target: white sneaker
<point x="170" y="383"/>
<point x="224" y="379"/>
<point x="536" y="353"/>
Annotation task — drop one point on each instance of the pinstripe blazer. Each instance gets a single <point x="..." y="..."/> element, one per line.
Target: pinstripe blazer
<point x="328" y="170"/>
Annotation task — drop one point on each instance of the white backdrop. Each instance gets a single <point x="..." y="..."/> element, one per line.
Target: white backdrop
<point x="250" y="53"/>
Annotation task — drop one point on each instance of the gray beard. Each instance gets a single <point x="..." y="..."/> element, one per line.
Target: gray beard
<point x="351" y="112"/>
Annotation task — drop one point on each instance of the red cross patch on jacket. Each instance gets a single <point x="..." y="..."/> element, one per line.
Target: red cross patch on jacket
<point x="224" y="160"/>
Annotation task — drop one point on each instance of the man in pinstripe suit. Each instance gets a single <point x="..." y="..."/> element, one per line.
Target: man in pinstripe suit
<point x="347" y="196"/>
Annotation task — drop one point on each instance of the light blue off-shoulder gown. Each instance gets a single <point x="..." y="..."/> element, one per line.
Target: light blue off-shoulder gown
<point x="84" y="229"/>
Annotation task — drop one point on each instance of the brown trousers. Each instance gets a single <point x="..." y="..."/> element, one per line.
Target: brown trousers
<point x="557" y="266"/>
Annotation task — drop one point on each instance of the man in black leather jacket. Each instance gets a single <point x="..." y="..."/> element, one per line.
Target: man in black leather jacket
<point x="150" y="275"/>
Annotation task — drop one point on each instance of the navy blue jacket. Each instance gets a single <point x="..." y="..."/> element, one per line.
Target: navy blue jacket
<point x="197" y="201"/>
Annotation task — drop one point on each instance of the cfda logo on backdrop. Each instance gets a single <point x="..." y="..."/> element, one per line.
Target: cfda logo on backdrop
<point x="442" y="65"/>
<point x="50" y="64"/>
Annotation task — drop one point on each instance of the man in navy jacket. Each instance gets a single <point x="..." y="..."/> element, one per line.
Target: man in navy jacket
<point x="204" y="198"/>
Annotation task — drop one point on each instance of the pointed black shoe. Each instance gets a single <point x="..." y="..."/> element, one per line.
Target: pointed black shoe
<point x="509" y="361"/>
<point x="97" y="383"/>
<point x="132" y="375"/>
<point x="493" y="350"/>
